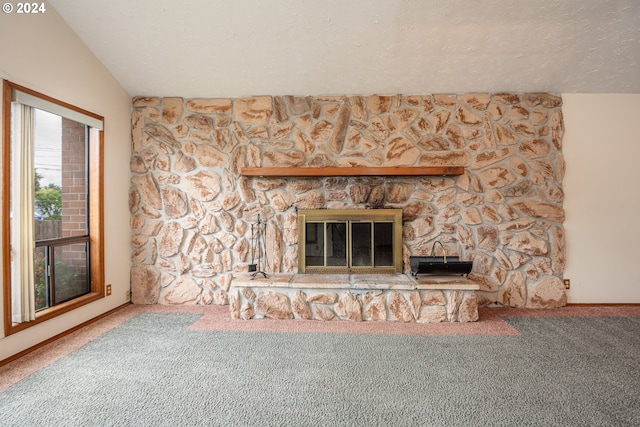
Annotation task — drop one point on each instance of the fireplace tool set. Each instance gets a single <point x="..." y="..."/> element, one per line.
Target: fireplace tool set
<point x="258" y="233"/>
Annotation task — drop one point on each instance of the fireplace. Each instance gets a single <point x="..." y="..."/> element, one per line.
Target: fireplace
<point x="350" y="241"/>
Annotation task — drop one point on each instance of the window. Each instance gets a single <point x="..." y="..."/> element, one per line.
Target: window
<point x="52" y="207"/>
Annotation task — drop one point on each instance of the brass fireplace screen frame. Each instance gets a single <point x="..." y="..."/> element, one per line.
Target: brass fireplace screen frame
<point x="350" y="217"/>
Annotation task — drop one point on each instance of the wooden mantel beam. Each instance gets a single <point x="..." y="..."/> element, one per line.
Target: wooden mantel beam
<point x="354" y="171"/>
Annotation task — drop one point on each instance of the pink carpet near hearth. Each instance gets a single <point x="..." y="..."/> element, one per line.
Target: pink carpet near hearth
<point x="216" y="318"/>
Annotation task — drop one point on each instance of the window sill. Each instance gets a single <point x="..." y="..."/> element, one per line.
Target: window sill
<point x="50" y="313"/>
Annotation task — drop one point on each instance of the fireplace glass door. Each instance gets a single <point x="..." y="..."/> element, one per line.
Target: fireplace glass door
<point x="350" y="241"/>
<point x="371" y="244"/>
<point x="326" y="244"/>
<point x="338" y="243"/>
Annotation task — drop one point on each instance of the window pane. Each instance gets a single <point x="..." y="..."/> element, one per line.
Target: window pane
<point x="47" y="144"/>
<point x="314" y="244"/>
<point x="60" y="163"/>
<point x="383" y="250"/>
<point x="361" y="244"/>
<point x="40" y="278"/>
<point x="70" y="272"/>
<point x="336" y="244"/>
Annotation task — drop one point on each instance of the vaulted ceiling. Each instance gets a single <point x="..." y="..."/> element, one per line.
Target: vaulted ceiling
<point x="232" y="48"/>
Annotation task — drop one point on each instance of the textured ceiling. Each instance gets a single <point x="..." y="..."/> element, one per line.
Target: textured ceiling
<point x="232" y="48"/>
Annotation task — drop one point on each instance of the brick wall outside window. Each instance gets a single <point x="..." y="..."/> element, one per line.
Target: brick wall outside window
<point x="74" y="188"/>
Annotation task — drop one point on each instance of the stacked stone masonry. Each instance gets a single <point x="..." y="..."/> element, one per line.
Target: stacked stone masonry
<point x="191" y="211"/>
<point x="382" y="297"/>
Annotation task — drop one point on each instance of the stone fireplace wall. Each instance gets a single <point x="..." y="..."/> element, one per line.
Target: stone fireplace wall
<point x="191" y="210"/>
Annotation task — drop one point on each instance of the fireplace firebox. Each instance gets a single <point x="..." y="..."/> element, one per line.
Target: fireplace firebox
<point x="350" y="241"/>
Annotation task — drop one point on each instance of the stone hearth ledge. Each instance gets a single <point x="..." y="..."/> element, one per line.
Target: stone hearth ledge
<point x="356" y="297"/>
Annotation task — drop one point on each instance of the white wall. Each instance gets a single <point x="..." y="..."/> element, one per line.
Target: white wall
<point x="602" y="197"/>
<point x="42" y="53"/>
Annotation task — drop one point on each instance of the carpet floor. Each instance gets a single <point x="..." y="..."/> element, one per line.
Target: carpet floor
<point x="192" y="366"/>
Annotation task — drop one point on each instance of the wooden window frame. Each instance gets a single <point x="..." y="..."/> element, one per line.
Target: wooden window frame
<point x="95" y="167"/>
